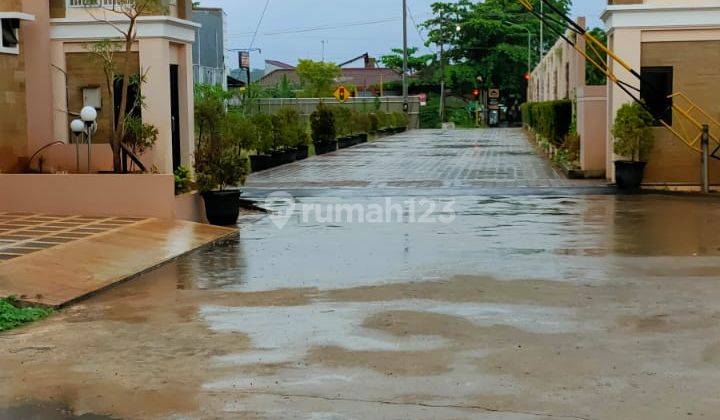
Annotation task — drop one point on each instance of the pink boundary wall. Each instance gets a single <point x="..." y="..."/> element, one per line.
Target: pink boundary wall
<point x="592" y="127"/>
<point x="98" y="195"/>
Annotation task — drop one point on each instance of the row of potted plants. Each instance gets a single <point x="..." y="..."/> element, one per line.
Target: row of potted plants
<point x="226" y="136"/>
<point x="280" y="138"/>
<point x="342" y="127"/>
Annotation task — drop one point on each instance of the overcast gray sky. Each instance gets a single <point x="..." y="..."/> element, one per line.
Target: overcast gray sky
<point x="294" y="29"/>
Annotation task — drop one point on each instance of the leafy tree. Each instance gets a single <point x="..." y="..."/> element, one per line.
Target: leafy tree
<point x="593" y="75"/>
<point x="283" y="89"/>
<point x="491" y="42"/>
<point x="317" y="77"/>
<point x="395" y="60"/>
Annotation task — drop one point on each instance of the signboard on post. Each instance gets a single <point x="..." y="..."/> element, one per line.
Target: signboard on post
<point x="244" y="59"/>
<point x="423" y="99"/>
<point x="342" y="94"/>
<point x="494" y="93"/>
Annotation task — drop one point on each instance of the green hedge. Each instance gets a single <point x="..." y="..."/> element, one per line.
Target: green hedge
<point x="551" y="119"/>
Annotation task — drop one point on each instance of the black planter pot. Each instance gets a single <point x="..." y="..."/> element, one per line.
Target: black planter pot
<point x="222" y="208"/>
<point x="629" y="174"/>
<point x="278" y="158"/>
<point x="302" y="152"/>
<point x="320" y="147"/>
<point x="289" y="156"/>
<point x="344" y="142"/>
<point x="260" y="162"/>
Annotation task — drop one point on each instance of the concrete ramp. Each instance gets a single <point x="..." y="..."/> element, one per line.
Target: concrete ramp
<point x="58" y="260"/>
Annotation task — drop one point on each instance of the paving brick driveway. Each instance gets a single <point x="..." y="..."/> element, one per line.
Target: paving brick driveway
<point x="482" y="158"/>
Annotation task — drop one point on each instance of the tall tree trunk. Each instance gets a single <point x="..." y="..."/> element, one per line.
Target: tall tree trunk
<point x="119" y="132"/>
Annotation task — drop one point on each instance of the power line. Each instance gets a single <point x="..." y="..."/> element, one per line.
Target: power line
<point x="319" y="28"/>
<point x="257" y="28"/>
<point x="417" y="27"/>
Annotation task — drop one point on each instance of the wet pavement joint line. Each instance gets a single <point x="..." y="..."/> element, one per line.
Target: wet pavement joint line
<point x="418" y="404"/>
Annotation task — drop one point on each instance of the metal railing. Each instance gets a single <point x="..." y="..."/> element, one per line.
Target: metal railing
<point x="96" y="3"/>
<point x="104" y="3"/>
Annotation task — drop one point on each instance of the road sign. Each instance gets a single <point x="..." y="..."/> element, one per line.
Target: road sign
<point x="244" y="57"/>
<point x="494" y="93"/>
<point x="342" y="94"/>
<point x="423" y="99"/>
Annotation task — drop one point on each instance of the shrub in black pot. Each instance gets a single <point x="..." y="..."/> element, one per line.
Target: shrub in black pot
<point x="260" y="162"/>
<point x="344" y="142"/>
<point x="303" y="141"/>
<point x="220" y="165"/>
<point x="322" y="125"/>
<point x="262" y="143"/>
<point x="633" y="139"/>
<point x="289" y="155"/>
<point x="218" y="177"/>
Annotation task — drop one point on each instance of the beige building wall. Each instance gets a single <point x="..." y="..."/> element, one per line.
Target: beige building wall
<point x="559" y="72"/>
<point x="561" y="75"/>
<point x="13" y="115"/>
<point x="684" y="35"/>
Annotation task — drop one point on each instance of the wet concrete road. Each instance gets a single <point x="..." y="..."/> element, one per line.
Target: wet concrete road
<point x="534" y="305"/>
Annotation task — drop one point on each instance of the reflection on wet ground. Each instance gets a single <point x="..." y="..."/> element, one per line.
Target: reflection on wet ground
<point x="547" y="237"/>
<point x="523" y="307"/>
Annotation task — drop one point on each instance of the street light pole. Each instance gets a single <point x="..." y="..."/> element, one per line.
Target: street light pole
<point x="542" y="29"/>
<point x="405" y="57"/>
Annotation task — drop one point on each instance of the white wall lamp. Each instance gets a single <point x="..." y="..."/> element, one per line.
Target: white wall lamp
<point x="77" y="126"/>
<point x="88" y="115"/>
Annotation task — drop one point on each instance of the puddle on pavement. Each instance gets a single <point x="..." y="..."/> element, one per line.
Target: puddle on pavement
<point x="46" y="411"/>
<point x="588" y="239"/>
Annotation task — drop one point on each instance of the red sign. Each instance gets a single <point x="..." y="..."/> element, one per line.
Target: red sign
<point x="423" y="99"/>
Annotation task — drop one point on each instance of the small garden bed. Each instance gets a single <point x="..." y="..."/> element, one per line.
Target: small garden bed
<point x="13" y="315"/>
<point x="552" y="124"/>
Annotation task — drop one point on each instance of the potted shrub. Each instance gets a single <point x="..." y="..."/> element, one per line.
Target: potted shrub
<point x="304" y="140"/>
<point x="322" y="124"/>
<point x="361" y="125"/>
<point x="633" y="139"/>
<point x="220" y="165"/>
<point x="401" y="121"/>
<point x="343" y="128"/>
<point x="374" y="122"/>
<point x="285" y="135"/>
<point x="262" y="143"/>
<point x="218" y="176"/>
<point x="383" y="120"/>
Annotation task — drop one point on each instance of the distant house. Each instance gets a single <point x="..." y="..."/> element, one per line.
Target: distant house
<point x="272" y="65"/>
<point x="366" y="79"/>
<point x="209" y="60"/>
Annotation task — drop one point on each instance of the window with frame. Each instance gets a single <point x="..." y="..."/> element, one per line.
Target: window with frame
<point x="9" y="29"/>
<point x="655" y="89"/>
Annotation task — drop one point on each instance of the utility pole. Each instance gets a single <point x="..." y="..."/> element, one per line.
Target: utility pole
<point x="323" y="50"/>
<point x="405" y="57"/>
<point x="442" y="83"/>
<point x="542" y="29"/>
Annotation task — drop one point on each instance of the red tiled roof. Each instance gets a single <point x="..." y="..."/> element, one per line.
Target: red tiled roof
<point x="279" y="64"/>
